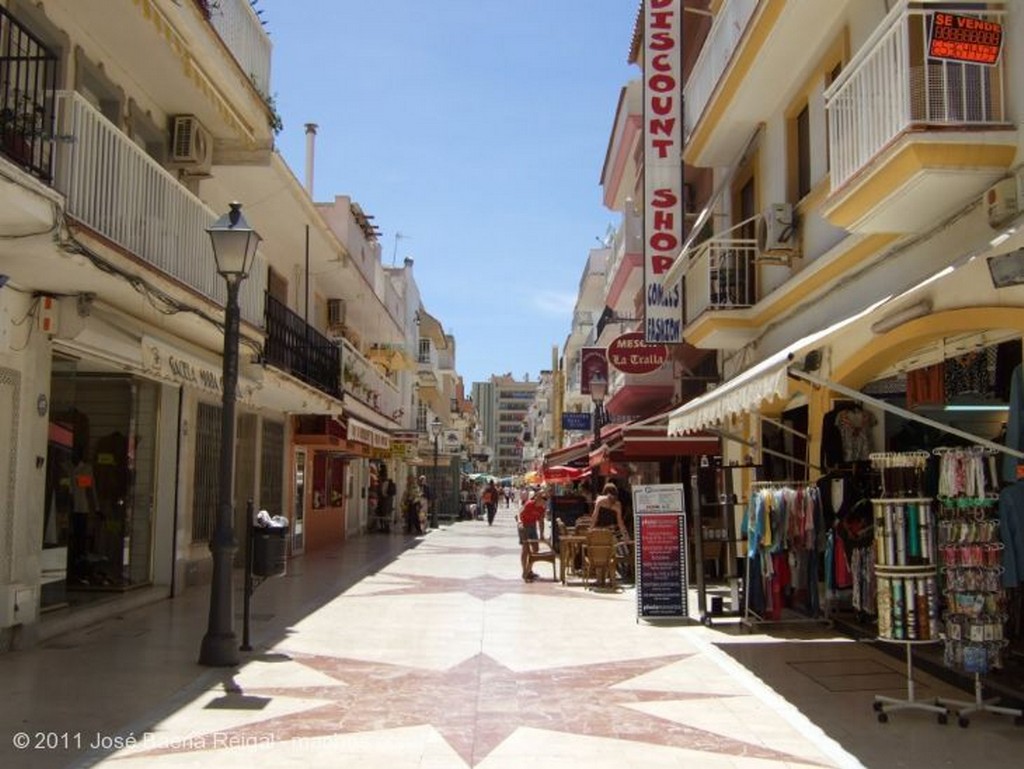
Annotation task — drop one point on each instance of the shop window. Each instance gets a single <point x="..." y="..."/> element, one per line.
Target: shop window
<point x="319" y="480"/>
<point x="101" y="473"/>
<point x="336" y="481"/>
<point x="328" y="480"/>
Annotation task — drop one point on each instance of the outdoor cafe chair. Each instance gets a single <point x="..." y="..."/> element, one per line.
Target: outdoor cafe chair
<point x="543" y="553"/>
<point x="599" y="557"/>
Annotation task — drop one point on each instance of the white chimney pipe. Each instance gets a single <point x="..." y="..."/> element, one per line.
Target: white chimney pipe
<point x="310" y="145"/>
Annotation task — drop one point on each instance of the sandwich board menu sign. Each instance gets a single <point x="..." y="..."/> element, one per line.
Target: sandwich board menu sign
<point x="660" y="550"/>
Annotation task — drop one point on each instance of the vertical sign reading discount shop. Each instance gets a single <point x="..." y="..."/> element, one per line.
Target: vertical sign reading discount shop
<point x="660" y="547"/>
<point x="663" y="173"/>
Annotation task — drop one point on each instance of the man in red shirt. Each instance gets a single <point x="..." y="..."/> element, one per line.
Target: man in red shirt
<point x="533" y="512"/>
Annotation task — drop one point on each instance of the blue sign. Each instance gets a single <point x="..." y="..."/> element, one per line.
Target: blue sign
<point x="576" y="420"/>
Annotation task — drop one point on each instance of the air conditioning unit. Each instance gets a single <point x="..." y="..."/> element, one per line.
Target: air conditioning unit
<point x="1003" y="200"/>
<point x="191" y="144"/>
<point x="776" y="230"/>
<point x="335" y="313"/>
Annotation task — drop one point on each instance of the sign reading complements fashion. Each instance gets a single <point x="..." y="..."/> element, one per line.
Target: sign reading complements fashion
<point x="661" y="550"/>
<point x="663" y="178"/>
<point x="965" y="38"/>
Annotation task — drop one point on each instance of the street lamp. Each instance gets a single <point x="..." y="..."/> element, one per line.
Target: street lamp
<point x="435" y="431"/>
<point x="234" y="249"/>
<point x="598" y="390"/>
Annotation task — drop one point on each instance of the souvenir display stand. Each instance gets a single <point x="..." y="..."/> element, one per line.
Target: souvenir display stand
<point x="907" y="590"/>
<point x="906" y="571"/>
<point x="971" y="552"/>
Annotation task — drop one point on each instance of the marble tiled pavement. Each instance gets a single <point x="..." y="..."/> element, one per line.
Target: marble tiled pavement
<point x="431" y="652"/>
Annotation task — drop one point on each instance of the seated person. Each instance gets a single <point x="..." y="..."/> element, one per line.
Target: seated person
<point x="608" y="511"/>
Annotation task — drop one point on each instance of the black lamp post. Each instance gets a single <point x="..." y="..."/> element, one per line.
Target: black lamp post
<point x="234" y="248"/>
<point x="598" y="390"/>
<point x="435" y="431"/>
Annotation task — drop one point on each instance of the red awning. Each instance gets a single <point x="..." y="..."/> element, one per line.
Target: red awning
<point x="647" y="439"/>
<point x="568" y="454"/>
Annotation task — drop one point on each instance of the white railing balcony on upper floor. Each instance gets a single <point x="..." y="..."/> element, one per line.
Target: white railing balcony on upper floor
<point x="726" y="32"/>
<point x="891" y="86"/>
<point x="628" y="240"/>
<point x="112" y="186"/>
<point x="721" y="276"/>
<point x="240" y="28"/>
<point x="363" y="380"/>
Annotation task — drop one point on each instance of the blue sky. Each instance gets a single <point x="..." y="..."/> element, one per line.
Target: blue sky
<point x="477" y="130"/>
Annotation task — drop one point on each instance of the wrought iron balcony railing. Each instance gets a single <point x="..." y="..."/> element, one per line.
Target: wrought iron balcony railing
<point x="297" y="348"/>
<point x="28" y="86"/>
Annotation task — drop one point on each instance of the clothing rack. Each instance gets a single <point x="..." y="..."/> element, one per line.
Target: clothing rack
<point x="755" y="550"/>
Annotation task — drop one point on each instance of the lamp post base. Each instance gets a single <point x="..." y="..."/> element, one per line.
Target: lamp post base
<point x="219" y="650"/>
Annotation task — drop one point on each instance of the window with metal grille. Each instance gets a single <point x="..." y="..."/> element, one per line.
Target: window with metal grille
<point x="207" y="466"/>
<point x="272" y="468"/>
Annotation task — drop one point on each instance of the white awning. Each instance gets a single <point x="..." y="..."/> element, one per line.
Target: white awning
<point x="764" y="381"/>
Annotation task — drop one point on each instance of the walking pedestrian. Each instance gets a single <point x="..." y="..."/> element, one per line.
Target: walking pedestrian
<point x="490" y="500"/>
<point x="411" y="507"/>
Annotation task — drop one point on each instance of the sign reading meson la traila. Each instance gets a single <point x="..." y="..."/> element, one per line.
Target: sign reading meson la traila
<point x="630" y="354"/>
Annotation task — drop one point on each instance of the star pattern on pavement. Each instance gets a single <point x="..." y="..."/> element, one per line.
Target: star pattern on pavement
<point x="483" y="587"/>
<point x="580" y="700"/>
<point x="491" y="551"/>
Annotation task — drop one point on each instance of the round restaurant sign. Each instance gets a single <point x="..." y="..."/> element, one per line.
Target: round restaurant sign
<point x="630" y="354"/>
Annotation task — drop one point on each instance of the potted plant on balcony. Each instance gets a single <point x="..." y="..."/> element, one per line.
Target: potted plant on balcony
<point x="22" y="124"/>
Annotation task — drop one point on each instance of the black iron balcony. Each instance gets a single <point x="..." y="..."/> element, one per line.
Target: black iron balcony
<point x="28" y="84"/>
<point x="299" y="349"/>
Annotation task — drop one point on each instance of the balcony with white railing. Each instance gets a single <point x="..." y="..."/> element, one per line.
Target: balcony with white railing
<point x="715" y="55"/>
<point x="894" y="106"/>
<point x="721" y="276"/>
<point x="113" y="187"/>
<point x="240" y="28"/>
<point x="626" y="250"/>
<point x="362" y="380"/>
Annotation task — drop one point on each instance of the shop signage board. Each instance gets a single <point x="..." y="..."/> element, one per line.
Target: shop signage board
<point x="660" y="548"/>
<point x="965" y="38"/>
<point x="576" y="420"/>
<point x="630" y="354"/>
<point x="663" y="182"/>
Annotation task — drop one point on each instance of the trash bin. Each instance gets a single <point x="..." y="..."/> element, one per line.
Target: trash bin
<point x="269" y="551"/>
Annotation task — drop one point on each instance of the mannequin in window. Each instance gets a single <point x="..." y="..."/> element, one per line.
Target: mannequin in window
<point x="83" y="514"/>
<point x="855" y="425"/>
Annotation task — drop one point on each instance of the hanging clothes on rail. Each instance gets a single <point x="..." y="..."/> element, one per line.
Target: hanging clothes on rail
<point x="785" y="533"/>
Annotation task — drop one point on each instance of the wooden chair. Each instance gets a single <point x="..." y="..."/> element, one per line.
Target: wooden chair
<point x="543" y="553"/>
<point x="599" y="557"/>
<point x="569" y="549"/>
